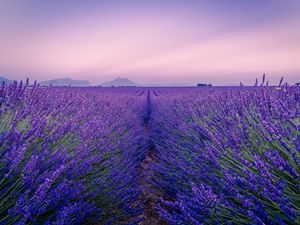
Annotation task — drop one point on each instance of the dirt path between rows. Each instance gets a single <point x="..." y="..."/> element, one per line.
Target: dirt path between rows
<point x="150" y="196"/>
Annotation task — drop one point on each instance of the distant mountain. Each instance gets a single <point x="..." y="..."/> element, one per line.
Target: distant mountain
<point x="119" y="82"/>
<point x="5" y="80"/>
<point x="66" y="82"/>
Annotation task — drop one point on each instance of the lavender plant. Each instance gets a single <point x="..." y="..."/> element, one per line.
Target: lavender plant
<point x="68" y="155"/>
<point x="87" y="155"/>
<point x="228" y="155"/>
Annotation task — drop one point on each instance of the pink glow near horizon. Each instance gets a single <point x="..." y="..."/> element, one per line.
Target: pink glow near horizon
<point x="148" y="45"/>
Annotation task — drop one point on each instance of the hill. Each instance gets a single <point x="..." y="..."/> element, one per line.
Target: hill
<point x="5" y="80"/>
<point x="119" y="82"/>
<point x="66" y="82"/>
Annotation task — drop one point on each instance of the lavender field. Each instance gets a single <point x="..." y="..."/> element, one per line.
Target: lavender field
<point x="209" y="155"/>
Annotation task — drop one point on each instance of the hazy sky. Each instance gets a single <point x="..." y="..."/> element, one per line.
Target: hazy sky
<point x="216" y="41"/>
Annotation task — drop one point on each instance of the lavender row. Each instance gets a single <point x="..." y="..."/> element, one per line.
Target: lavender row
<point x="228" y="155"/>
<point x="69" y="155"/>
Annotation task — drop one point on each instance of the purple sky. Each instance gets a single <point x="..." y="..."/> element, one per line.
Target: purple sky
<point x="216" y="41"/>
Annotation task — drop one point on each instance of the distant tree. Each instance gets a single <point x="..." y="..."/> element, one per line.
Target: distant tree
<point x="297" y="84"/>
<point x="204" y="85"/>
